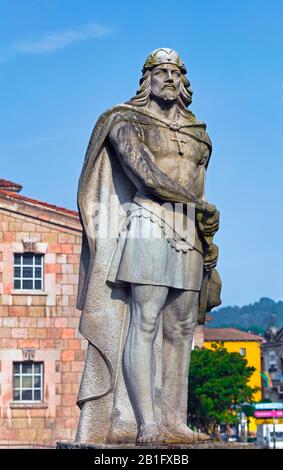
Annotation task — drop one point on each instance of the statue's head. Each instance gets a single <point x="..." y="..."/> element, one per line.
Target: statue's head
<point x="164" y="77"/>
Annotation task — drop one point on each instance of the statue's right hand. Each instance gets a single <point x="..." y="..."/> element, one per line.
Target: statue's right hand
<point x="205" y="208"/>
<point x="209" y="209"/>
<point x="208" y="219"/>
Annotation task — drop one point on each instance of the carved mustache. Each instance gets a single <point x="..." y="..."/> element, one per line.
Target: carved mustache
<point x="168" y="85"/>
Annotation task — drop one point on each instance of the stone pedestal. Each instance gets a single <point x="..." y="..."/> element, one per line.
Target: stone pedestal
<point x="194" y="445"/>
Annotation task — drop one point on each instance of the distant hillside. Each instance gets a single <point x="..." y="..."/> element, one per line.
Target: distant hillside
<point x="254" y="317"/>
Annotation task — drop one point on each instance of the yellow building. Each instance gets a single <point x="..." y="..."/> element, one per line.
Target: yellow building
<point x="246" y="344"/>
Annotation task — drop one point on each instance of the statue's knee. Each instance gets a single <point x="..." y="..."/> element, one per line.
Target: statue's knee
<point x="182" y="329"/>
<point x="147" y="321"/>
<point x="187" y="327"/>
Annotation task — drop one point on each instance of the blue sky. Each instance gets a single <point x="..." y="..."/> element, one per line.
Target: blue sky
<point x="63" y="62"/>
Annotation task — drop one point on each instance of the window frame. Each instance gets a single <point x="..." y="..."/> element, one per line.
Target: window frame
<point x="272" y="361"/>
<point x="21" y="265"/>
<point x="243" y="352"/>
<point x="33" y="388"/>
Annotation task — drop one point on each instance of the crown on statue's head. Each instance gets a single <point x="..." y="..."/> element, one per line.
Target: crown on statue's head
<point x="164" y="55"/>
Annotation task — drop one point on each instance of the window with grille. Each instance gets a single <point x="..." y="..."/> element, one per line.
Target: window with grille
<point x="28" y="271"/>
<point x="27" y="381"/>
<point x="272" y="358"/>
<point x="243" y="351"/>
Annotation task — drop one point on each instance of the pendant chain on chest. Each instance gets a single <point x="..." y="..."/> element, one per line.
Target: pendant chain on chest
<point x="180" y="142"/>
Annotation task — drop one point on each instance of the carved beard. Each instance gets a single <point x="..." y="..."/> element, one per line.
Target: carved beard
<point x="166" y="93"/>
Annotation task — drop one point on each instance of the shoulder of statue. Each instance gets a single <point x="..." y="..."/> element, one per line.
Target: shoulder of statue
<point x="100" y="132"/>
<point x="198" y="128"/>
<point x="135" y="114"/>
<point x="124" y="113"/>
<point x="190" y="120"/>
<point x="114" y="113"/>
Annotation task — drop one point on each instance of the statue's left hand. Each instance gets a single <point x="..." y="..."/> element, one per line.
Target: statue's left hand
<point x="211" y="257"/>
<point x="208" y="223"/>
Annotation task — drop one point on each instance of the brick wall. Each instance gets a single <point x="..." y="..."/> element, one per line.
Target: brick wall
<point x="46" y="323"/>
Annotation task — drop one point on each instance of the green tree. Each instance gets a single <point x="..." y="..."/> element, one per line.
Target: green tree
<point x="218" y="384"/>
<point x="249" y="410"/>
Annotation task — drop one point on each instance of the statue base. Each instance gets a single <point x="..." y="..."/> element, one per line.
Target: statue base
<point x="194" y="445"/>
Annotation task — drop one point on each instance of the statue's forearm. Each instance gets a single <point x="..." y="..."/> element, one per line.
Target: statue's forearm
<point x="138" y="163"/>
<point x="164" y="187"/>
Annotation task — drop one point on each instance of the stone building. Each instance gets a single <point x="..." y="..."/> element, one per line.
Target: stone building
<point x="272" y="361"/>
<point x="42" y="353"/>
<point x="248" y="345"/>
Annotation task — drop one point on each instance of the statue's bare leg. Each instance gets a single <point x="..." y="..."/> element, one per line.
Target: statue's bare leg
<point x="146" y="304"/>
<point x="179" y="322"/>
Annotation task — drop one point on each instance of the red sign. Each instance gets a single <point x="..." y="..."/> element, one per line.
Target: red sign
<point x="269" y="414"/>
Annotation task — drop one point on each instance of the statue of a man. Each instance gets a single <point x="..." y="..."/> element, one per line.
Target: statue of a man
<point x="151" y="154"/>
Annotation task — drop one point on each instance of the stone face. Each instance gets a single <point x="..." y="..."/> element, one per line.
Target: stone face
<point x="36" y="321"/>
<point x="144" y="287"/>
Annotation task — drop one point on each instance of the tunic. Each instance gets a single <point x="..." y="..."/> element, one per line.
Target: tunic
<point x="164" y="241"/>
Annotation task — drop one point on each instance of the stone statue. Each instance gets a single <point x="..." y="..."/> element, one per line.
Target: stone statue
<point x="143" y="290"/>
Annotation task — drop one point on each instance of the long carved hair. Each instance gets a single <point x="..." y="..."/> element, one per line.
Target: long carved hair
<point x="143" y="93"/>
